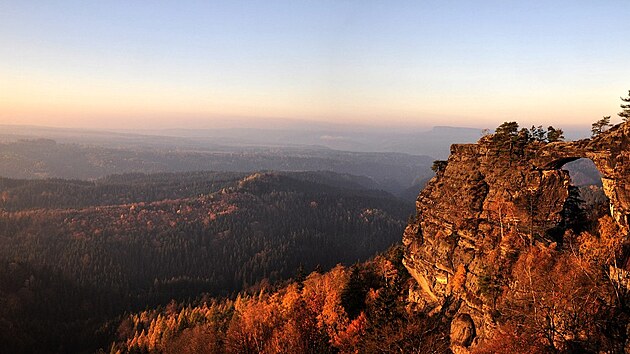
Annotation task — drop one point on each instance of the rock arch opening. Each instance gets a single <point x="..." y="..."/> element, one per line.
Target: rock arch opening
<point x="586" y="187"/>
<point x="583" y="172"/>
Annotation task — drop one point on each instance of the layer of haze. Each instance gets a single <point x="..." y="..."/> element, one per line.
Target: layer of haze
<point x="204" y="64"/>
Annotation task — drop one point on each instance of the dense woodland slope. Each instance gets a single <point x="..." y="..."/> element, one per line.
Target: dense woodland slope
<point x="358" y="309"/>
<point x="20" y="194"/>
<point x="67" y="271"/>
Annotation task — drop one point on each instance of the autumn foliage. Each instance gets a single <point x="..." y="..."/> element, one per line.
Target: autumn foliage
<point x="561" y="298"/>
<point x="302" y="317"/>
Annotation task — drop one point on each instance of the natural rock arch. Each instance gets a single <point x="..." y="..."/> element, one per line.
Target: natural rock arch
<point x="610" y="151"/>
<point x="558" y="163"/>
<point x="487" y="194"/>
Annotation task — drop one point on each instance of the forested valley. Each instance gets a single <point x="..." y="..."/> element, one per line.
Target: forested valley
<point x="77" y="255"/>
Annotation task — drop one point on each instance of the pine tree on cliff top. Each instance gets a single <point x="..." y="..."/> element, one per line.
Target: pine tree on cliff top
<point x="507" y="129"/>
<point x="625" y="113"/>
<point x="600" y="126"/>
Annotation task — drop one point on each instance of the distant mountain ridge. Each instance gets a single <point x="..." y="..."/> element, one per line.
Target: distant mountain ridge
<point x="434" y="142"/>
<point x="45" y="158"/>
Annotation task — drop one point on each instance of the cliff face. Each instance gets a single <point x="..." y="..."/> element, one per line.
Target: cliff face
<point x="489" y="195"/>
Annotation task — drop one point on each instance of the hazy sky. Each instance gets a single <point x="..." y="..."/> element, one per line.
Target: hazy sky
<point x="130" y="64"/>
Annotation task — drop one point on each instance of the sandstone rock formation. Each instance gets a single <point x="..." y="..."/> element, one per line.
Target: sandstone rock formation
<point x="488" y="195"/>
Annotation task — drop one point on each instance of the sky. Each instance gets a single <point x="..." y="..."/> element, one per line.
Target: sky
<point x="204" y="64"/>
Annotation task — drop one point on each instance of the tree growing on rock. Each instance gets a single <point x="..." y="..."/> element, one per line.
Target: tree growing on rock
<point x="538" y="133"/>
<point x="600" y="126"/>
<point x="625" y="106"/>
<point x="507" y="129"/>
<point x="554" y="134"/>
<point x="506" y="135"/>
<point x="439" y="166"/>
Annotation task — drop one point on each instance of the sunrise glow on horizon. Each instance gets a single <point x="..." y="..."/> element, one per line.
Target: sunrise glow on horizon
<point x="121" y="64"/>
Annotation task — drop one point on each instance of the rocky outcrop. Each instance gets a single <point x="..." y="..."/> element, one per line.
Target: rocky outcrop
<point x="490" y="194"/>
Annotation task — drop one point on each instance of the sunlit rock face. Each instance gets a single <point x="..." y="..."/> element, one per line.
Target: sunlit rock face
<point x="490" y="194"/>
